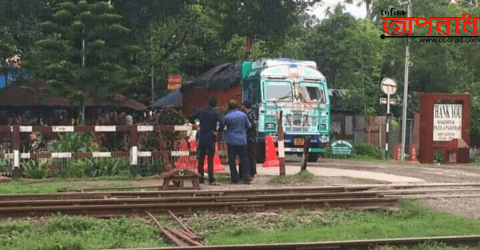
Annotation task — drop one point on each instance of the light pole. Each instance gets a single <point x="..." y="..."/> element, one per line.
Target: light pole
<point x="405" y="91"/>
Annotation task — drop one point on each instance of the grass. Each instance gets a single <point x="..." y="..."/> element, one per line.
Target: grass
<point x="302" y="176"/>
<point x="55" y="184"/>
<point x="59" y="233"/>
<point x="411" y="220"/>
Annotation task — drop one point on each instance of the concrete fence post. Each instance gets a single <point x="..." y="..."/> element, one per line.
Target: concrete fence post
<point x="134" y="169"/>
<point x="16" y="151"/>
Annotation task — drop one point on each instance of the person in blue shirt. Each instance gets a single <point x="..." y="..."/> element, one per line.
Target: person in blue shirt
<point x="211" y="123"/>
<point x="236" y="123"/>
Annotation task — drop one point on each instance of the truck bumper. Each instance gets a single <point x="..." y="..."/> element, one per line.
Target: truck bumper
<point x="316" y="145"/>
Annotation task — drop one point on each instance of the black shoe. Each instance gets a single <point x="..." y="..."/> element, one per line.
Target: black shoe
<point x="201" y="181"/>
<point x="234" y="182"/>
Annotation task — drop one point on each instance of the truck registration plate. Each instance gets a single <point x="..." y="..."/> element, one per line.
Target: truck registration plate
<point x="299" y="142"/>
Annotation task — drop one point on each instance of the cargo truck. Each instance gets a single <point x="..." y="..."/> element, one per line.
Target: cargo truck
<point x="294" y="87"/>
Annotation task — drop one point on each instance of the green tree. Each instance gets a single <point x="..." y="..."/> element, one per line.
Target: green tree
<point x="326" y="44"/>
<point x="350" y="54"/>
<point x="82" y="52"/>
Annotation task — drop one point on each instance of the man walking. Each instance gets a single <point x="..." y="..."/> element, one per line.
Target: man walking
<point x="236" y="123"/>
<point x="251" y="138"/>
<point x="211" y="123"/>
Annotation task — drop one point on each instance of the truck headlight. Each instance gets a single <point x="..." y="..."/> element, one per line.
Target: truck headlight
<point x="270" y="125"/>
<point x="323" y="138"/>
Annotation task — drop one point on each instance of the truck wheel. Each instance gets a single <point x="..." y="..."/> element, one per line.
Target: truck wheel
<point x="261" y="153"/>
<point x="313" y="157"/>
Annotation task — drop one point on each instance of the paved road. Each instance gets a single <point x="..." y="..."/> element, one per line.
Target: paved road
<point x="426" y="172"/>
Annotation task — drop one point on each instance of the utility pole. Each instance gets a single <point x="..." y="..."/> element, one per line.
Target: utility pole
<point x="405" y="90"/>
<point x="153" y="85"/>
<point x="83" y="49"/>
<point x="83" y="66"/>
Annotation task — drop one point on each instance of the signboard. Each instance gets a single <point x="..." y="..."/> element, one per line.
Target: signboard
<point x="389" y="86"/>
<point x="174" y="82"/>
<point x="447" y="122"/>
<point x="384" y="101"/>
<point x="341" y="148"/>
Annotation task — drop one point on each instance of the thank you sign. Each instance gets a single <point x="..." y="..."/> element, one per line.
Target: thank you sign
<point x="447" y="122"/>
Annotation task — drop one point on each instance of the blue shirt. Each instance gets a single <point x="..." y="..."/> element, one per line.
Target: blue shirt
<point x="237" y="124"/>
<point x="210" y="120"/>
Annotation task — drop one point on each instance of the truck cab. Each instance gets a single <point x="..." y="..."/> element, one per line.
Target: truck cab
<point x="297" y="89"/>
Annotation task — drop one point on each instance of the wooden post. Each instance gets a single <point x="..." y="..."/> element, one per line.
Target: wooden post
<point x="281" y="145"/>
<point x="16" y="151"/>
<point x="306" y="152"/>
<point x="134" y="150"/>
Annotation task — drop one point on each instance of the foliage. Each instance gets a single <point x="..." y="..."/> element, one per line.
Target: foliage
<point x="260" y="18"/>
<point x="367" y="150"/>
<point x="148" y="141"/>
<point x="149" y="167"/>
<point x="5" y="165"/>
<point x="438" y="157"/>
<point x="35" y="169"/>
<point x="74" y="142"/>
<point x="60" y="232"/>
<point x="102" y="68"/>
<point x="105" y="167"/>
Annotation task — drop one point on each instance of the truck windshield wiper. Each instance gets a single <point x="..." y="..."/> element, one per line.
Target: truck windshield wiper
<point x="286" y="96"/>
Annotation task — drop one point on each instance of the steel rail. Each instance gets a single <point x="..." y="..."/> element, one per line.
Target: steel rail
<point x="198" y="193"/>
<point x="189" y="208"/>
<point x="176" y="200"/>
<point x="472" y="240"/>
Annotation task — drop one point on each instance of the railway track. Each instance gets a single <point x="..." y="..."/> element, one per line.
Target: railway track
<point x="107" y="204"/>
<point x="450" y="240"/>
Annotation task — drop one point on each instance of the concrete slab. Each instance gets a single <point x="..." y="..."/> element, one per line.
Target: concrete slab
<point x="319" y="171"/>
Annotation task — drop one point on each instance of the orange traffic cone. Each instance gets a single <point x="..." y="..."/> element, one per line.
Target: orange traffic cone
<point x="217" y="164"/>
<point x="271" y="159"/>
<point x="397" y="152"/>
<point x="413" y="154"/>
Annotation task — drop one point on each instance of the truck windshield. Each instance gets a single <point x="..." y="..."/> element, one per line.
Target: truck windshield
<point x="277" y="92"/>
<point x="313" y="93"/>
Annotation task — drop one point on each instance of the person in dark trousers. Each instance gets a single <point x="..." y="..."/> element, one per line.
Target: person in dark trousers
<point x="252" y="139"/>
<point x="236" y="123"/>
<point x="211" y="123"/>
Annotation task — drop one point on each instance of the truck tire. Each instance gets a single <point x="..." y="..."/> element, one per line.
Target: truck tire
<point x="261" y="153"/>
<point x="313" y="157"/>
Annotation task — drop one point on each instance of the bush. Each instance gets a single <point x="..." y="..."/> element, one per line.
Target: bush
<point x="438" y="157"/>
<point x="34" y="169"/>
<point x="5" y="165"/>
<point x="367" y="150"/>
<point x="105" y="166"/>
<point x="75" y="168"/>
<point x="74" y="142"/>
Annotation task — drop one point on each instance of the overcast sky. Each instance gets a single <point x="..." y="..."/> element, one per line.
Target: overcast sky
<point x="358" y="12"/>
